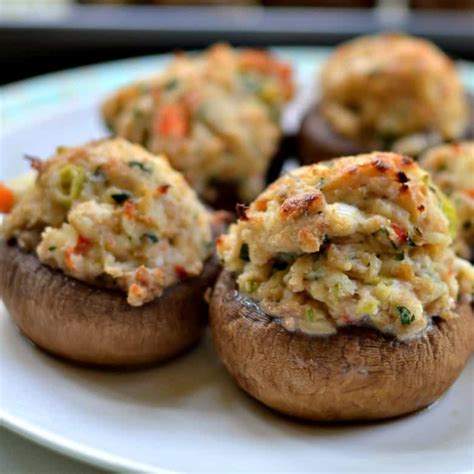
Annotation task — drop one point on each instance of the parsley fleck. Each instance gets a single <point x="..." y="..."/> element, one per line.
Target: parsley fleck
<point x="309" y="313"/>
<point x="400" y="256"/>
<point x="406" y="316"/>
<point x="244" y="253"/>
<point x="411" y="242"/>
<point x="52" y="248"/>
<point x="120" y="198"/>
<point x="151" y="237"/>
<point x="142" y="166"/>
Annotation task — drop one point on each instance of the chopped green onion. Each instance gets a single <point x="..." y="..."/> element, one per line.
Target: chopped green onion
<point x="140" y="165"/>
<point x="406" y="316"/>
<point x="251" y="286"/>
<point x="120" y="198"/>
<point x="309" y="313"/>
<point x="71" y="183"/>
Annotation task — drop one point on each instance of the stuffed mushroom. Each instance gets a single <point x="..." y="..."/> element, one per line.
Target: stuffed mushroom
<point x="215" y="115"/>
<point x="341" y="297"/>
<point x="106" y="256"/>
<point x="386" y="92"/>
<point x="452" y="169"/>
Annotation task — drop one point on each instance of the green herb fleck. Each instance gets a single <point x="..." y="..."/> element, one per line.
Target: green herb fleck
<point x="314" y="275"/>
<point x="322" y="182"/>
<point x="251" y="286"/>
<point x="309" y="313"/>
<point x="244" y="253"/>
<point x="400" y="256"/>
<point x="406" y="317"/>
<point x="171" y="84"/>
<point x="386" y="232"/>
<point x="138" y="113"/>
<point x="411" y="242"/>
<point x="52" y="248"/>
<point x="140" y="165"/>
<point x="151" y="237"/>
<point x="251" y="84"/>
<point x="120" y="198"/>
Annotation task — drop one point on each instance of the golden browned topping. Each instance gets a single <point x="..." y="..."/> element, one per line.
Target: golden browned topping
<point x="112" y="214"/>
<point x="393" y="90"/>
<point x="215" y="115"/>
<point x="452" y="169"/>
<point x="357" y="240"/>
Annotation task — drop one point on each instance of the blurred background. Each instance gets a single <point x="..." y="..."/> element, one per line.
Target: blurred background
<point x="43" y="36"/>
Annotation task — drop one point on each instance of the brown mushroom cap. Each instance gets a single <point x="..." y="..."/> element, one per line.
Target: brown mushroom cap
<point x="97" y="326"/>
<point x="318" y="140"/>
<point x="90" y="325"/>
<point x="357" y="374"/>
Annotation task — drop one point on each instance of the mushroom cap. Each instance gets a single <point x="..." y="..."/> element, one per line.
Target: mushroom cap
<point x="357" y="374"/>
<point x="317" y="140"/>
<point x="77" y="321"/>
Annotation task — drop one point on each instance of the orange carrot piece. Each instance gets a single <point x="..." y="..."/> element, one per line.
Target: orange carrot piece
<point x="172" y="120"/>
<point x="68" y="253"/>
<point x="7" y="199"/>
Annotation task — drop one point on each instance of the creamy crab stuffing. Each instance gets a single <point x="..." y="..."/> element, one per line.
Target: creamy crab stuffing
<point x="112" y="214"/>
<point x="363" y="240"/>
<point x="215" y="115"/>
<point x="452" y="169"/>
<point x="393" y="92"/>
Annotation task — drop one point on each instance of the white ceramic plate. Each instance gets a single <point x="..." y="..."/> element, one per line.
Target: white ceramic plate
<point x="186" y="415"/>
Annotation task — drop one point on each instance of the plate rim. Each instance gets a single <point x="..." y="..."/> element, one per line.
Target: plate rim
<point x="72" y="449"/>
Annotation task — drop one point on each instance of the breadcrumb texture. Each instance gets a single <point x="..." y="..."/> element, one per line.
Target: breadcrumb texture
<point x="215" y="115"/>
<point x="111" y="214"/>
<point x="362" y="240"/>
<point x="396" y="89"/>
<point x="452" y="169"/>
